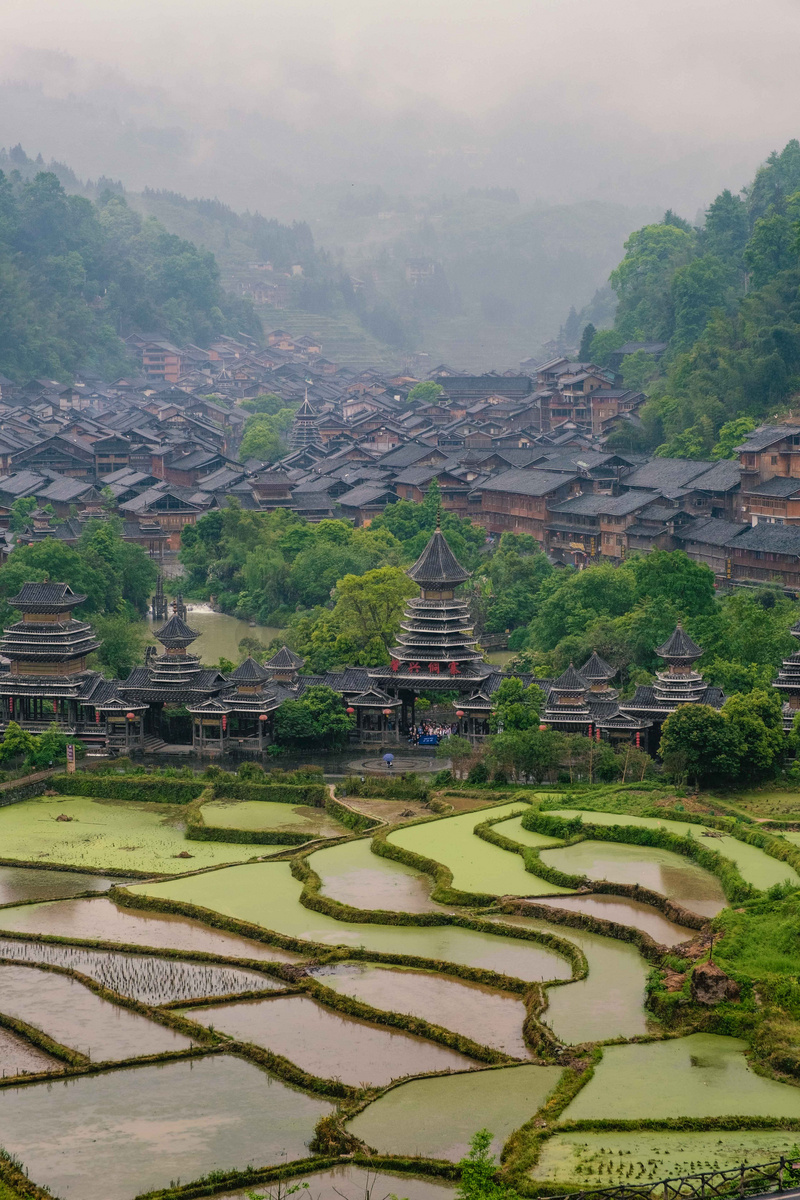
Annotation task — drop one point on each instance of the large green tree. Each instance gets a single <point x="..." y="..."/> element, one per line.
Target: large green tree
<point x="317" y="719"/>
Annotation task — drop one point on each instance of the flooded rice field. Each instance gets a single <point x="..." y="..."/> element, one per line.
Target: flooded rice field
<point x="609" y="1002"/>
<point x="142" y="977"/>
<point x="18" y="884"/>
<point x="624" y="912"/>
<point x="103" y="921"/>
<point x="755" y="866"/>
<point x="487" y="1016"/>
<point x="258" y="815"/>
<point x="266" y="894"/>
<point x="18" y="1057"/>
<point x="330" y="1044"/>
<point x="353" y="1183"/>
<point x="102" y="833"/>
<point x="352" y="874"/>
<point x="435" y="1118"/>
<point x="113" y="1136"/>
<point x="72" y="1015"/>
<point x="607" y="1159"/>
<point x="673" y="875"/>
<point x="477" y="866"/>
<point x="703" y="1075"/>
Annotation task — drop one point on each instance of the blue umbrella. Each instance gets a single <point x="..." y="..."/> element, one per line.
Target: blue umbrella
<point x="388" y="759"/>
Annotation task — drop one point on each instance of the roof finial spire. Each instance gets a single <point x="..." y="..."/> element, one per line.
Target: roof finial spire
<point x="439" y="515"/>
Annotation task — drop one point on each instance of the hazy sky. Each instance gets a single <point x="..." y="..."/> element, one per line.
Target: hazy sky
<point x="632" y="100"/>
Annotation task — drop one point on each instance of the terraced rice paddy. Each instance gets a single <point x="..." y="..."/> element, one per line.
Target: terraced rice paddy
<point x="755" y="866"/>
<point x="142" y="977"/>
<point x="266" y="894"/>
<point x="103" y="833"/>
<point x="477" y="866"/>
<point x="330" y="1044"/>
<point x="258" y="815"/>
<point x="609" y="1002"/>
<point x="662" y="871"/>
<point x="103" y="921"/>
<point x="112" y="1136"/>
<point x="483" y="1014"/>
<point x="18" y="884"/>
<point x="352" y="874"/>
<point x="624" y="912"/>
<point x="608" y="1158"/>
<point x="75" y="1017"/>
<point x="19" y="1057"/>
<point x="703" y="1075"/>
<point x="435" y="1118"/>
<point x="353" y="1183"/>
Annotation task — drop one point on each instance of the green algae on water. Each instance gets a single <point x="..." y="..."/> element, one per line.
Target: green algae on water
<point x="609" y="1002"/>
<point x="329" y="1044"/>
<point x="103" y="833"/>
<point x="260" y="815"/>
<point x="673" y="875"/>
<point x="477" y="866"/>
<point x="703" y="1075"/>
<point x="352" y="874"/>
<point x="70" y="1014"/>
<point x="115" y="1135"/>
<point x="267" y="894"/>
<point x="436" y="1118"/>
<point x="484" y="1014"/>
<point x="755" y="865"/>
<point x="607" y="1159"/>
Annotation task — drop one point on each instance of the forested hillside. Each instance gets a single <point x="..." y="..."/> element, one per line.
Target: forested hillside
<point x="725" y="296"/>
<point x="77" y="276"/>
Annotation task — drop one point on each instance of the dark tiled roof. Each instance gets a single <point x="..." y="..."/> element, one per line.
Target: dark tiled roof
<point x="570" y="681"/>
<point x="437" y="564"/>
<point x="759" y="439"/>
<point x="597" y="668"/>
<point x="775" y="487"/>
<point x="527" y="483"/>
<point x="45" y="597"/>
<point x="679" y="645"/>
<point x="713" y="532"/>
<point x="779" y="539"/>
<point x="176" y="631"/>
<point x="285" y="658"/>
<point x="250" y="672"/>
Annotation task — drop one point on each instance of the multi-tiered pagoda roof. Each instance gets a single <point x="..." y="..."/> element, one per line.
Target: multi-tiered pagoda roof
<point x="173" y="677"/>
<point x="437" y="647"/>
<point x="678" y="684"/>
<point x="788" y="683"/>
<point x="48" y="649"/>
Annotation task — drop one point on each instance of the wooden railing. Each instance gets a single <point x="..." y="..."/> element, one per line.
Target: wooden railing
<point x="779" y="1176"/>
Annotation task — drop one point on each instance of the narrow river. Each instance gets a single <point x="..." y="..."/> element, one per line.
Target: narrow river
<point x="220" y="634"/>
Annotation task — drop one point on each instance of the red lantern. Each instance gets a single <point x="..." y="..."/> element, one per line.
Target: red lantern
<point x="97" y="718"/>
<point x="350" y="711"/>
<point x="542" y="728"/>
<point x="387" y="712"/>
<point x="224" y="724"/>
<point x="597" y="734"/>
<point x="263" y="717"/>
<point x="130" y="716"/>
<point x="459" y="713"/>
<point x="638" y="740"/>
<point x="55" y="706"/>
